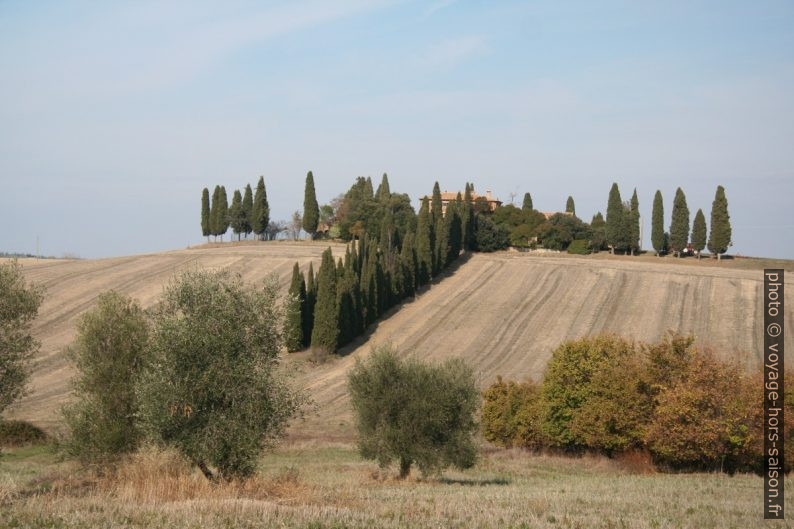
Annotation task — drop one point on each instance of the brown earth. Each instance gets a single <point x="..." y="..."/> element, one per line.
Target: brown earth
<point x="503" y="312"/>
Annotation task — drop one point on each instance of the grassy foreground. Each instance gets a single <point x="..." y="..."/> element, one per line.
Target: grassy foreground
<point x="331" y="487"/>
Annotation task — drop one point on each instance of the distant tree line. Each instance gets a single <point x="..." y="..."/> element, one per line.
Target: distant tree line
<point x="248" y="213"/>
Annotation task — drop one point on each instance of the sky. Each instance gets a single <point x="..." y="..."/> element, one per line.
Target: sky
<point x="115" y="115"/>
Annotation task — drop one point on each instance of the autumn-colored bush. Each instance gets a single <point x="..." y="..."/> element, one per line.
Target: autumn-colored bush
<point x="511" y="414"/>
<point x="708" y="420"/>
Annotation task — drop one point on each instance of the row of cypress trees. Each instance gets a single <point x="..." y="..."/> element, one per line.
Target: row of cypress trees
<point x="329" y="310"/>
<point x="248" y="212"/>
<point x="622" y="225"/>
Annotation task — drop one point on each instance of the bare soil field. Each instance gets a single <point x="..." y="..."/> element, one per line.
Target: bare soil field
<point x="72" y="287"/>
<point x="504" y="313"/>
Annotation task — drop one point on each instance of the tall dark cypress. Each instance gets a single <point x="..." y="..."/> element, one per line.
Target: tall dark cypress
<point x="206" y="230"/>
<point x="311" y="210"/>
<point x="467" y="218"/>
<point x="634" y="223"/>
<point x="409" y="265"/>
<point x="326" y="311"/>
<point x="657" y="223"/>
<point x="679" y="226"/>
<point x="261" y="209"/>
<point x="527" y="204"/>
<point x="455" y="229"/>
<point x="424" y="244"/>
<point x="214" y="222"/>
<point x="720" y="234"/>
<point x="436" y="207"/>
<point x="615" y="228"/>
<point x="248" y="210"/>
<point x="570" y="207"/>
<point x="223" y="212"/>
<point x="699" y="232"/>
<point x="236" y="214"/>
<point x="384" y="193"/>
<point x="308" y="307"/>
<point x="294" y="318"/>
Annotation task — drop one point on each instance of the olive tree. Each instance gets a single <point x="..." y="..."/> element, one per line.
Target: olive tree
<point x="108" y="354"/>
<point x="411" y="412"/>
<point x="19" y="304"/>
<point x="212" y="387"/>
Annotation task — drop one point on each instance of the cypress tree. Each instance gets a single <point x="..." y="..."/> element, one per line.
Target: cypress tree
<point x="205" y="214"/>
<point x="248" y="209"/>
<point x="214" y="224"/>
<point x="294" y="319"/>
<point x="344" y="300"/>
<point x="261" y="209"/>
<point x="424" y="244"/>
<point x="634" y="223"/>
<point x="527" y="205"/>
<point x="720" y="235"/>
<point x="326" y="311"/>
<point x="372" y="286"/>
<point x="615" y="227"/>
<point x="657" y="223"/>
<point x="408" y="263"/>
<point x="223" y="212"/>
<point x="435" y="206"/>
<point x="455" y="229"/>
<point x="384" y="193"/>
<point x="699" y="232"/>
<point x="368" y="193"/>
<point x="441" y="250"/>
<point x="467" y="218"/>
<point x="311" y="210"/>
<point x="570" y="207"/>
<point x="308" y="306"/>
<point x="679" y="226"/>
<point x="236" y="214"/>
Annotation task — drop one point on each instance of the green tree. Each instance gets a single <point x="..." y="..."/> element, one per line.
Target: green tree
<point x="384" y="193"/>
<point x="223" y="212"/>
<point x="617" y="237"/>
<point x="570" y="207"/>
<point x="436" y="205"/>
<point x="488" y="236"/>
<point x="699" y="232"/>
<point x="657" y="223"/>
<point x="248" y="210"/>
<point x="206" y="230"/>
<point x="414" y="413"/>
<point x="527" y="205"/>
<point x="212" y="388"/>
<point x="598" y="240"/>
<point x="311" y="210"/>
<point x="326" y="312"/>
<point x="409" y="264"/>
<point x="634" y="223"/>
<point x="679" y="227"/>
<point x="308" y="307"/>
<point x="294" y="317"/>
<point x="19" y="304"/>
<point x="109" y="355"/>
<point x="424" y="243"/>
<point x="261" y="210"/>
<point x="215" y="212"/>
<point x="236" y="214"/>
<point x="468" y="218"/>
<point x="720" y="235"/>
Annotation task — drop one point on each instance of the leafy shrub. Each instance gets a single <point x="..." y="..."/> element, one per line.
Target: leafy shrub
<point x="489" y="237"/>
<point x="709" y="419"/>
<point x="212" y="389"/>
<point x="109" y="354"/>
<point x="569" y="384"/>
<point x="20" y="433"/>
<point x="411" y="412"/>
<point x="19" y="304"/>
<point x="512" y="414"/>
<point x="580" y="247"/>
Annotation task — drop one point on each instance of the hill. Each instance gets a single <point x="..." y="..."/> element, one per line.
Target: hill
<point x="503" y="312"/>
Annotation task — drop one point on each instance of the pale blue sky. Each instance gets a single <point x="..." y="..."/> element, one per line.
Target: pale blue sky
<point x="114" y="116"/>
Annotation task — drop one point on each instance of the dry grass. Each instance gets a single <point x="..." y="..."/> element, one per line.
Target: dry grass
<point x="310" y="486"/>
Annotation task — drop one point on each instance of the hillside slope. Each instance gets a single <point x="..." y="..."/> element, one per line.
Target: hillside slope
<point x="504" y="313"/>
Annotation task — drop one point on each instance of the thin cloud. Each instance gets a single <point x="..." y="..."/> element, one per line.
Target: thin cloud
<point x="452" y="52"/>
